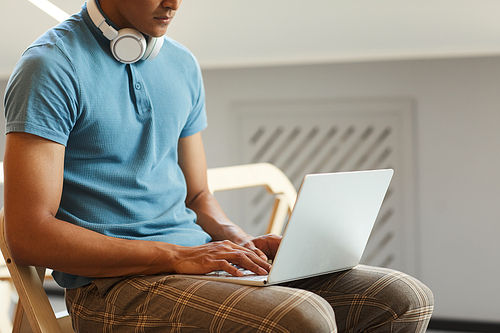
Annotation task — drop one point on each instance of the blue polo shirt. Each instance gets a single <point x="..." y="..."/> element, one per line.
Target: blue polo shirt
<point x="120" y="125"/>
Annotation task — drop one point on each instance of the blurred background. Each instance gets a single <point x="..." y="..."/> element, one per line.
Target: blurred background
<point x="333" y="85"/>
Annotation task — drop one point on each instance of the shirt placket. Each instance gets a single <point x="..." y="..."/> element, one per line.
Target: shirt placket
<point x="139" y="92"/>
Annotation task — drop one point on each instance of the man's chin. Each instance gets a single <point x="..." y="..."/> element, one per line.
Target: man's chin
<point x="158" y="34"/>
<point x="157" y="31"/>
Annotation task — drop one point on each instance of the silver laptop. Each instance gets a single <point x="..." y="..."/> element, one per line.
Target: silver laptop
<point x="327" y="230"/>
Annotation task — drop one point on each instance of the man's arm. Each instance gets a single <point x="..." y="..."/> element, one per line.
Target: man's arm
<point x="210" y="215"/>
<point x="33" y="186"/>
<point x="34" y="169"/>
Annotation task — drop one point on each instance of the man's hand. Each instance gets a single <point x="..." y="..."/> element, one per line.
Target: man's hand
<point x="265" y="246"/>
<point x="219" y="256"/>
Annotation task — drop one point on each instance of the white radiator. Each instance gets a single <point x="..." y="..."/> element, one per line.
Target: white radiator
<point x="303" y="137"/>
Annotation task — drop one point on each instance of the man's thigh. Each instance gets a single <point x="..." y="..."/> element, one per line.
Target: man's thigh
<point x="173" y="304"/>
<point x="373" y="299"/>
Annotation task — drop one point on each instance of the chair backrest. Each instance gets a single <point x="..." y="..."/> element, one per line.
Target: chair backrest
<point x="260" y="174"/>
<point x="34" y="312"/>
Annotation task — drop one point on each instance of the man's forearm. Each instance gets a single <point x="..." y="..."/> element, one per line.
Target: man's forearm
<point x="213" y="220"/>
<point x="71" y="249"/>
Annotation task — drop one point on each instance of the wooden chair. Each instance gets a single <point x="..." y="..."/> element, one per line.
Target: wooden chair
<point x="260" y="174"/>
<point x="34" y="312"/>
<point x="7" y="298"/>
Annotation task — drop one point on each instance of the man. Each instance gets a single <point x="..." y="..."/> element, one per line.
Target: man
<point x="105" y="182"/>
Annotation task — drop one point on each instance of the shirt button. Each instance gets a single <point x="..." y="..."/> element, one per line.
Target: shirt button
<point x="137" y="86"/>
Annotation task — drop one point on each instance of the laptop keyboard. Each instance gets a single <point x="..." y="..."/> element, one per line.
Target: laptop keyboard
<point x="246" y="272"/>
<point x="247" y="275"/>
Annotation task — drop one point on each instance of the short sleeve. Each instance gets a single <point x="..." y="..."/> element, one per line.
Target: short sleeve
<point x="197" y="120"/>
<point x="41" y="96"/>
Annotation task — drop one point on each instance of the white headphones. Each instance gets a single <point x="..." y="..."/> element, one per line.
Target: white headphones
<point x="127" y="45"/>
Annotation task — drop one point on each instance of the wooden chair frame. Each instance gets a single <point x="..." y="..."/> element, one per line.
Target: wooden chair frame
<point x="34" y="312"/>
<point x="253" y="175"/>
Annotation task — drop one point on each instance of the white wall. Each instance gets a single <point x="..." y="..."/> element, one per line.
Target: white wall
<point x="234" y="33"/>
<point x="457" y="141"/>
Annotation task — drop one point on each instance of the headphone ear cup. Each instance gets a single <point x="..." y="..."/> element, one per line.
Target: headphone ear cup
<point x="129" y="46"/>
<point x="153" y="48"/>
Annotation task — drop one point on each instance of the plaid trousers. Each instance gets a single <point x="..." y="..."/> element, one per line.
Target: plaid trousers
<point x="362" y="299"/>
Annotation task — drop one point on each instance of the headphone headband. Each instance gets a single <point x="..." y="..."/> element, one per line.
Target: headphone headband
<point x="100" y="21"/>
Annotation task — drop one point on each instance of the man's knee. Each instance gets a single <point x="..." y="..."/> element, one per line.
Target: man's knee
<point x="411" y="295"/>
<point x="309" y="313"/>
<point x="368" y="297"/>
<point x="419" y="302"/>
<point x="411" y="302"/>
